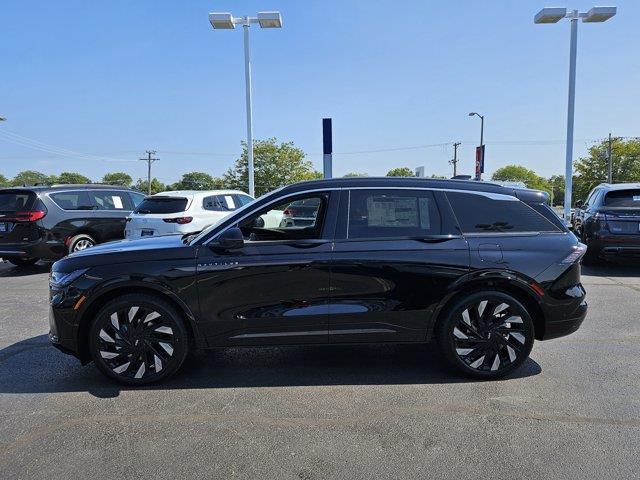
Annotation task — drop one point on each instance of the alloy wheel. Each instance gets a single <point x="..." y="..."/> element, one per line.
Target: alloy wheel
<point x="490" y="336"/>
<point x="82" y="244"/>
<point x="137" y="342"/>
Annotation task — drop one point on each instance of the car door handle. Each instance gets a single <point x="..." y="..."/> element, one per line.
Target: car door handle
<point x="308" y="243"/>
<point x="436" y="238"/>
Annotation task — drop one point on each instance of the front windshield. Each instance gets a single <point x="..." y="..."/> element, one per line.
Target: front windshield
<point x="236" y="213"/>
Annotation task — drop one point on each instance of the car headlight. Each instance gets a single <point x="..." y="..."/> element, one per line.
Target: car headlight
<point x="62" y="279"/>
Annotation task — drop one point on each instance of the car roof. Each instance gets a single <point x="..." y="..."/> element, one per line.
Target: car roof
<point x="67" y="186"/>
<point x="619" y="186"/>
<point x="197" y="193"/>
<point x="524" y="194"/>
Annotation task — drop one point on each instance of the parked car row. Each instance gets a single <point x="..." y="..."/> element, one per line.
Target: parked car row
<point x="49" y="222"/>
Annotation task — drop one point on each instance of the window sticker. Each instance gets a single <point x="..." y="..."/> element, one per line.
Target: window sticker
<point x="117" y="202"/>
<point x="390" y="211"/>
<point x="230" y="203"/>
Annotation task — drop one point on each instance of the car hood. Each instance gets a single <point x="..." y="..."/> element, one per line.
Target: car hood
<point x="125" y="251"/>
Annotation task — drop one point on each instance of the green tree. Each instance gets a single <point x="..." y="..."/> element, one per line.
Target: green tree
<point x="592" y="170"/>
<point x="557" y="187"/>
<point x="3" y="181"/>
<point x="72" y="177"/>
<point x="275" y="164"/>
<point x="355" y="174"/>
<point x="156" y="186"/>
<point x="517" y="173"/>
<point x="400" y="172"/>
<point x="117" y="178"/>
<point x="30" y="177"/>
<point x="198" y="181"/>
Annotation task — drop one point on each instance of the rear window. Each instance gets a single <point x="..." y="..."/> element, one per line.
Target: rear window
<point x="481" y="214"/>
<point x="16" y="201"/>
<point x="389" y="213"/>
<point x="622" y="198"/>
<point x="162" y="205"/>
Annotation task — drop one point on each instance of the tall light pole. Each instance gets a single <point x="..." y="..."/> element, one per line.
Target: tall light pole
<point x="479" y="170"/>
<point x="554" y="15"/>
<point x="226" y="21"/>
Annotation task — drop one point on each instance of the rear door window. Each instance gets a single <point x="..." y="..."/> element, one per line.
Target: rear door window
<point x="225" y="202"/>
<point x="16" y="201"/>
<point x="622" y="198"/>
<point x="110" y="200"/>
<point x="481" y="214"/>
<point x="74" y="200"/>
<point x="392" y="213"/>
<point x="162" y="205"/>
<point x="136" y="198"/>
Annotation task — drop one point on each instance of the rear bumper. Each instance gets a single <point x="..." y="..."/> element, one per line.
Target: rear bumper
<point x="555" y="328"/>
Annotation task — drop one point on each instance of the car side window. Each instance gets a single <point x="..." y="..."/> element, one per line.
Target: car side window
<point x="392" y="213"/>
<point x="478" y="213"/>
<point x="221" y="203"/>
<point x="299" y="218"/>
<point x="591" y="198"/>
<point x="136" y="198"/>
<point x="110" y="200"/>
<point x="76" y="200"/>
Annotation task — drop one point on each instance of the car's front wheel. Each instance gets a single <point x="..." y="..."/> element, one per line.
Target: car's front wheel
<point x="486" y="334"/>
<point x="138" y="339"/>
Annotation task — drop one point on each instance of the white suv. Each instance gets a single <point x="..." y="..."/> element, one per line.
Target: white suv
<point x="180" y="212"/>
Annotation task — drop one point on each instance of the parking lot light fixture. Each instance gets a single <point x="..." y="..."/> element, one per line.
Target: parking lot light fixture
<point x="554" y="15"/>
<point x="471" y="114"/>
<point x="226" y="21"/>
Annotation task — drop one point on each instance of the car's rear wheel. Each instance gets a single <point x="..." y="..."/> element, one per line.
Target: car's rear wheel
<point x="81" y="242"/>
<point x="138" y="339"/>
<point x="22" y="261"/>
<point x="486" y="334"/>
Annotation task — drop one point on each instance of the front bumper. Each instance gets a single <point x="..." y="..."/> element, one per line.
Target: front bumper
<point x="63" y="320"/>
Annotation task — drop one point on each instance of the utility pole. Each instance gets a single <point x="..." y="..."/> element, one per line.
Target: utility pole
<point x="454" y="162"/>
<point x="609" y="162"/>
<point x="149" y="161"/>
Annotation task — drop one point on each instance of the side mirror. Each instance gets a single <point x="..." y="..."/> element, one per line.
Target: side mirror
<point x="579" y="204"/>
<point x="230" y="239"/>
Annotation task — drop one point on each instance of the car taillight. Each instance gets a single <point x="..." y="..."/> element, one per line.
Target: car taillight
<point x="575" y="255"/>
<point x="31" y="216"/>
<point x="179" y="220"/>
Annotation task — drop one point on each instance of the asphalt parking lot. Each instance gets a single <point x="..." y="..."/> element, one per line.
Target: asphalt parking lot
<point x="572" y="411"/>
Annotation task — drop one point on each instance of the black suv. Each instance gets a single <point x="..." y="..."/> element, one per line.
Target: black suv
<point x="482" y="269"/>
<point x="608" y="221"/>
<point x="47" y="222"/>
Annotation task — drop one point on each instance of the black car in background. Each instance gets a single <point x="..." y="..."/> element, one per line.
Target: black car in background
<point x="481" y="269"/>
<point x="608" y="222"/>
<point x="48" y="222"/>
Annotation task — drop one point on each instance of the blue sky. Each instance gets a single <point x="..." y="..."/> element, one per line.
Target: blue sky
<point x="114" y="78"/>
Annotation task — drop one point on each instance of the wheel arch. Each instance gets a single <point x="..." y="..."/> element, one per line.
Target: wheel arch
<point x="90" y="310"/>
<point x="509" y="283"/>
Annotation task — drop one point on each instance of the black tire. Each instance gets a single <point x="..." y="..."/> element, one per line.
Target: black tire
<point x="23" y="261"/>
<point x="81" y="242"/>
<point x="146" y="342"/>
<point x="481" y="343"/>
